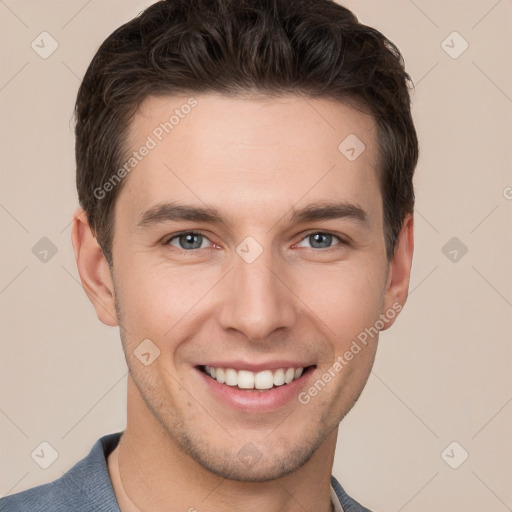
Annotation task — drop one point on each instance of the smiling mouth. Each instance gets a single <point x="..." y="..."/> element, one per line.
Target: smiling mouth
<point x="256" y="381"/>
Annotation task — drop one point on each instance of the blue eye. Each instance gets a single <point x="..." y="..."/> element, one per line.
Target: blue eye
<point x="188" y="241"/>
<point x="321" y="240"/>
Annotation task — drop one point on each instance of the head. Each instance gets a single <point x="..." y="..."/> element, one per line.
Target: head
<point x="245" y="171"/>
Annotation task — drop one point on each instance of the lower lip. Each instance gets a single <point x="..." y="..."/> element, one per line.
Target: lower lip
<point x="253" y="400"/>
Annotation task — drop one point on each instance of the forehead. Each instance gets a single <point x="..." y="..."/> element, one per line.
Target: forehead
<point x="263" y="152"/>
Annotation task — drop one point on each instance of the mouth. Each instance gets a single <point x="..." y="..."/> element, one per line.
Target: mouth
<point x="261" y="381"/>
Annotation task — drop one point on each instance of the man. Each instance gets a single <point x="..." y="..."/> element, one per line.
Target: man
<point x="244" y="170"/>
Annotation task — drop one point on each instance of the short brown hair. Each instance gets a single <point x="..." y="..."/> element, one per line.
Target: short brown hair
<point x="315" y="48"/>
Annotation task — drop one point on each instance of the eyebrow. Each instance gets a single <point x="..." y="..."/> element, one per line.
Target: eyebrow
<point x="166" y="212"/>
<point x="326" y="211"/>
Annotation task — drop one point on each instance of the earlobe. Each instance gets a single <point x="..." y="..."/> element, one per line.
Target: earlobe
<point x="397" y="286"/>
<point x="93" y="269"/>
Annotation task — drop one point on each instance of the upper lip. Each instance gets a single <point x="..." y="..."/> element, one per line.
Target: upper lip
<point x="257" y="367"/>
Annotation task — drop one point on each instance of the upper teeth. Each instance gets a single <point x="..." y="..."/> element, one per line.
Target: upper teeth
<point x="245" y="379"/>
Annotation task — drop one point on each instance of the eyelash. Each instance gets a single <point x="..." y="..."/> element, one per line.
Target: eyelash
<point x="183" y="233"/>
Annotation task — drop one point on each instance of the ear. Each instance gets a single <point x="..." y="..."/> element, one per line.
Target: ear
<point x="93" y="269"/>
<point x="399" y="273"/>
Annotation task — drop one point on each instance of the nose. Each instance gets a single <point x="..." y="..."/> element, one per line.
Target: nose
<point x="256" y="300"/>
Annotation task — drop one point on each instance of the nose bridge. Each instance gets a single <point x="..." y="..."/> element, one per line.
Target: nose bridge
<point x="256" y="302"/>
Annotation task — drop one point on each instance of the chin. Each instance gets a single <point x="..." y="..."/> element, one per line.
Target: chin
<point x="261" y="461"/>
<point x="263" y="467"/>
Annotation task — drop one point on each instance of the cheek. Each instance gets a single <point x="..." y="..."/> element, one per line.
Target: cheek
<point x="347" y="299"/>
<point x="156" y="299"/>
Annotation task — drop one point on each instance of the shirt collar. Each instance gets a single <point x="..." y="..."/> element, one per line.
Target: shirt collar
<point x="98" y="457"/>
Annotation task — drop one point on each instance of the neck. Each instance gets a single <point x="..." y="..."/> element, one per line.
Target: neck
<point x="150" y="472"/>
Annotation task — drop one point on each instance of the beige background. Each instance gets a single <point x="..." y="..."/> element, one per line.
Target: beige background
<point x="442" y="374"/>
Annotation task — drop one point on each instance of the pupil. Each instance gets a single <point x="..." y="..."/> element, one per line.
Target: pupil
<point x="189" y="240"/>
<point x="318" y="239"/>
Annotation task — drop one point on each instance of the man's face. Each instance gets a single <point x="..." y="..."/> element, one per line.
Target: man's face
<point x="266" y="288"/>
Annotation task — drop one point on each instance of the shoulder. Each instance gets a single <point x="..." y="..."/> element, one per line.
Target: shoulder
<point x="85" y="487"/>
<point x="55" y="496"/>
<point x="349" y="504"/>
